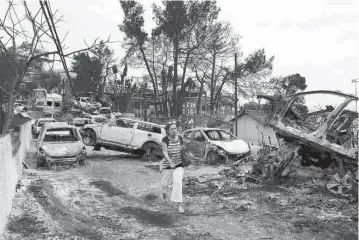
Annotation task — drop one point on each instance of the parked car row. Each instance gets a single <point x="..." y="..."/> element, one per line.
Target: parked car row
<point x="60" y="141"/>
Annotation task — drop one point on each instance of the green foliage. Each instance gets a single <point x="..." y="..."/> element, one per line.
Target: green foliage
<point x="133" y="21"/>
<point x="49" y="79"/>
<point x="288" y="85"/>
<point x="88" y="70"/>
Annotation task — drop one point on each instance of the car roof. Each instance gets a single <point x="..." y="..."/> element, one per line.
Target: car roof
<point x="55" y="125"/>
<point x="41" y="119"/>
<point x="80" y="118"/>
<point x="204" y="129"/>
<point x="149" y="123"/>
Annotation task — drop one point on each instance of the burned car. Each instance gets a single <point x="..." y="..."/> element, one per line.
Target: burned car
<point x="60" y="143"/>
<point x="214" y="145"/>
<point x="322" y="127"/>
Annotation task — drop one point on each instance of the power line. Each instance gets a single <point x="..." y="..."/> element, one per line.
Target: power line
<point x="55" y="37"/>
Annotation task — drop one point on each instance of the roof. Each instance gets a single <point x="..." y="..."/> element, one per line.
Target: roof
<point x="258" y="115"/>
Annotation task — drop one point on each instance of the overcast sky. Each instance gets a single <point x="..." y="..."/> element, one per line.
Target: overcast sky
<point x="317" y="39"/>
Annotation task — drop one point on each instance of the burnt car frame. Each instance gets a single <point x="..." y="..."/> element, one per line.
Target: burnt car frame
<point x="327" y="138"/>
<point x="214" y="145"/>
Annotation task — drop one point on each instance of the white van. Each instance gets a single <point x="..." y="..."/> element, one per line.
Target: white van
<point x="53" y="103"/>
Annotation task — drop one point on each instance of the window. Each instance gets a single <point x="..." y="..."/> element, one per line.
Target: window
<point x="124" y="123"/>
<point x="57" y="104"/>
<point x="149" y="128"/>
<point x="49" y="103"/>
<point x="99" y="119"/>
<point x="218" y="135"/>
<point x="198" y="137"/>
<point x="344" y="131"/>
<point x="61" y="135"/>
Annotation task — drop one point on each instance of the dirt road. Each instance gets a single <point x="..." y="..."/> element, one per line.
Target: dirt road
<point x="116" y="197"/>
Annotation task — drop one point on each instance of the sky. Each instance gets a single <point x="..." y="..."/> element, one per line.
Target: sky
<point x="317" y="39"/>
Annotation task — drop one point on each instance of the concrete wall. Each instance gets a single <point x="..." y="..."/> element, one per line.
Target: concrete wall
<point x="11" y="169"/>
<point x="250" y="130"/>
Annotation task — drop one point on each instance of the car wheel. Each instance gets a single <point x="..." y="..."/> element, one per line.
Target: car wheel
<point x="40" y="162"/>
<point x="83" y="161"/>
<point x="97" y="147"/>
<point x="89" y="139"/>
<point x="212" y="158"/>
<point x="152" y="149"/>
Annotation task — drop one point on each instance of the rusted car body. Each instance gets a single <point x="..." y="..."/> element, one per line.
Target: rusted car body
<point x="214" y="145"/>
<point x="326" y="136"/>
<point x="60" y="143"/>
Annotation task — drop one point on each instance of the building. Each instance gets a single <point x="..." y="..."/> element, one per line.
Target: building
<point x="254" y="129"/>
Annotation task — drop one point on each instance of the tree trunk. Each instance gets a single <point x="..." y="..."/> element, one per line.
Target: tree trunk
<point x="151" y="77"/>
<point x="198" y="107"/>
<point x="174" y="80"/>
<point x="213" y="84"/>
<point x="183" y="88"/>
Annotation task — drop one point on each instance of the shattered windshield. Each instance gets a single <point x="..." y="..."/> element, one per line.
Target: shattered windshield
<point x="61" y="135"/>
<point x="308" y="112"/>
<point x="99" y="119"/>
<point x="219" y="135"/>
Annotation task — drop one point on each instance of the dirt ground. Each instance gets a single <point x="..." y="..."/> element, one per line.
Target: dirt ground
<point x="116" y="197"/>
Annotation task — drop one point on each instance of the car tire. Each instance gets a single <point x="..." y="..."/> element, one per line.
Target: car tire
<point x="212" y="158"/>
<point x="83" y="161"/>
<point x="89" y="138"/>
<point x="40" y="162"/>
<point x="97" y="147"/>
<point x="152" y="149"/>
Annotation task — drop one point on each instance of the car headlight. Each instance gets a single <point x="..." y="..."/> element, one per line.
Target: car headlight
<point x="83" y="150"/>
<point x="220" y="151"/>
<point x="42" y="152"/>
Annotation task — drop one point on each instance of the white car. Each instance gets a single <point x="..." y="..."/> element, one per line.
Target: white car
<point x="84" y="103"/>
<point x="214" y="145"/>
<point x="36" y="128"/>
<point x="60" y="143"/>
<point x="126" y="135"/>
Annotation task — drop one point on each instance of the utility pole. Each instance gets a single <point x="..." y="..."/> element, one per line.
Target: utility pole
<point x="235" y="96"/>
<point x="355" y="81"/>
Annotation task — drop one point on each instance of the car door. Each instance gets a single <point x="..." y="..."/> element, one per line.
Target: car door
<point x="146" y="132"/>
<point x="119" y="131"/>
<point x="198" y="144"/>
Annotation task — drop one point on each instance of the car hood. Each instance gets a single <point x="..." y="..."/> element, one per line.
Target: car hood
<point x="62" y="149"/>
<point x="233" y="147"/>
